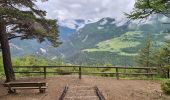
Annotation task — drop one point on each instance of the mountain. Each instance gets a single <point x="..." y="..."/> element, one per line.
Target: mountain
<point x="27" y="47"/>
<point x="109" y="41"/>
<point x="69" y="27"/>
<point x="105" y="41"/>
<point x="66" y="32"/>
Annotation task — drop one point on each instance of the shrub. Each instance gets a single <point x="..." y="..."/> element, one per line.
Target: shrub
<point x="165" y="86"/>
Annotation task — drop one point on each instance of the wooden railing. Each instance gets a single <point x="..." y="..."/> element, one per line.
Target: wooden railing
<point x="150" y="71"/>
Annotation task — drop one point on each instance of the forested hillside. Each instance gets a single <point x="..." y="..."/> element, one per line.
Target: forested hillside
<point x="101" y="42"/>
<point x="117" y="43"/>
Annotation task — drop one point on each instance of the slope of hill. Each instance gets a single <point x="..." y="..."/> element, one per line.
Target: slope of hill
<point x="90" y="35"/>
<point x="106" y="42"/>
<point x="103" y="42"/>
<point x="127" y="40"/>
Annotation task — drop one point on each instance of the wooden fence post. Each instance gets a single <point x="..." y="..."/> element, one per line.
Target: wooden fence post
<point x="151" y="73"/>
<point x="168" y="73"/>
<point x="79" y="72"/>
<point x="45" y="72"/>
<point x="117" y="73"/>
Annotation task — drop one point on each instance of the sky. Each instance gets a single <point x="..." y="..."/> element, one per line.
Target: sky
<point x="86" y="9"/>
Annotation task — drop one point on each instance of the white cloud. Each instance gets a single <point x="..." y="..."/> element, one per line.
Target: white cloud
<point x="68" y="23"/>
<point x="86" y="9"/>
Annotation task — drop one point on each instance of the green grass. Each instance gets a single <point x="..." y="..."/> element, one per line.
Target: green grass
<point x="30" y="61"/>
<point x="117" y="44"/>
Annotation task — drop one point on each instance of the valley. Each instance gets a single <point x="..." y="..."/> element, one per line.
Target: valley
<point x="103" y="42"/>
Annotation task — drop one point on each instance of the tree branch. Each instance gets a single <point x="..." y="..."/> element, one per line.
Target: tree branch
<point x="14" y="37"/>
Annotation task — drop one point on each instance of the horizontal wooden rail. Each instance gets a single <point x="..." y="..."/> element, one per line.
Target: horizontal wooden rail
<point x="28" y="72"/>
<point x="47" y="72"/>
<point x="86" y="73"/>
<point x="128" y="67"/>
<point x="149" y="70"/>
<point x="44" y="66"/>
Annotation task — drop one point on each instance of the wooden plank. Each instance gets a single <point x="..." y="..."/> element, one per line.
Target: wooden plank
<point x="48" y="72"/>
<point x="28" y="66"/>
<point x="86" y="73"/>
<point x="12" y="86"/>
<point x="28" y="72"/>
<point x="45" y="73"/>
<point x="121" y="67"/>
<point x="79" y="72"/>
<point x="89" y="72"/>
<point x="44" y="66"/>
<point x="117" y="74"/>
<point x="139" y="73"/>
<point x="63" y="93"/>
<point x="168" y="75"/>
<point x="28" y="87"/>
<point x="99" y="94"/>
<point x="25" y="84"/>
<point x="64" y="72"/>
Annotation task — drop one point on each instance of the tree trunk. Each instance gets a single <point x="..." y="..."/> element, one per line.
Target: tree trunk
<point x="9" y="72"/>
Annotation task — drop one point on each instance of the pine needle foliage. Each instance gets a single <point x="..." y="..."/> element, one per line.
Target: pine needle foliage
<point x="25" y="20"/>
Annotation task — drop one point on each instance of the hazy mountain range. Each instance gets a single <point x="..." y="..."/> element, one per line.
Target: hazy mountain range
<point x="105" y="41"/>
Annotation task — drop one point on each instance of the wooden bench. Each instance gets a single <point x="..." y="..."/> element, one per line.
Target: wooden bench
<point x="13" y="86"/>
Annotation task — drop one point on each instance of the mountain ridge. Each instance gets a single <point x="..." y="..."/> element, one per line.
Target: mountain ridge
<point x="100" y="42"/>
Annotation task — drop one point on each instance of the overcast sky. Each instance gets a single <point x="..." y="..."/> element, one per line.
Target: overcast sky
<point x="86" y="9"/>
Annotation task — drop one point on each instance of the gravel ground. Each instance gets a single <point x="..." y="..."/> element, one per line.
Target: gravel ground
<point x="111" y="88"/>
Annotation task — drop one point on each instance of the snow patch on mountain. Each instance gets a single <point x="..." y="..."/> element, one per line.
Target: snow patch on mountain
<point x="113" y="22"/>
<point x="89" y="21"/>
<point x="85" y="38"/>
<point x="53" y="58"/>
<point x="76" y="24"/>
<point x="15" y="46"/>
<point x="121" y="22"/>
<point x="62" y="55"/>
<point x="71" y="44"/>
<point x="103" y="22"/>
<point x="43" y="50"/>
<point x="80" y="27"/>
<point x="167" y="37"/>
<point x="100" y="28"/>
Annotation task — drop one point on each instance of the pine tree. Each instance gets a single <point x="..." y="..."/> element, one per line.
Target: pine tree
<point x="27" y="23"/>
<point x="165" y="54"/>
<point x="145" y="8"/>
<point x="164" y="57"/>
<point x="144" y="59"/>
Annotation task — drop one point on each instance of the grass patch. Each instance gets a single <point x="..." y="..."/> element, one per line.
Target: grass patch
<point x="117" y="44"/>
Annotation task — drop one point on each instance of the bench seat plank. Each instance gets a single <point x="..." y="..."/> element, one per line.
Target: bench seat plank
<point x="12" y="86"/>
<point x="25" y="84"/>
<point x="28" y="87"/>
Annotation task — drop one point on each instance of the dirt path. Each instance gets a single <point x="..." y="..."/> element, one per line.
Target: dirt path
<point x="111" y="88"/>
